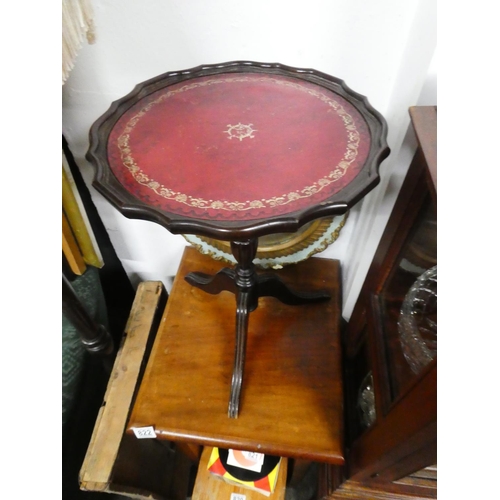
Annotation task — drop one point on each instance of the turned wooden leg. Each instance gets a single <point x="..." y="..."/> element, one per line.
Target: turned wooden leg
<point x="242" y="313"/>
<point x="246" y="302"/>
<point x="94" y="336"/>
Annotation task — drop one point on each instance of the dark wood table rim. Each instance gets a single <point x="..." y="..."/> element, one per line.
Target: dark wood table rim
<point x="106" y="183"/>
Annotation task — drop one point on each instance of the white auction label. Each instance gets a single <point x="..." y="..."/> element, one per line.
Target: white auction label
<point x="144" y="432"/>
<point x="237" y="496"/>
<point x="248" y="460"/>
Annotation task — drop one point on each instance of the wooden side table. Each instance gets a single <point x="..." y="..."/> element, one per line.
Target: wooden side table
<point x="293" y="399"/>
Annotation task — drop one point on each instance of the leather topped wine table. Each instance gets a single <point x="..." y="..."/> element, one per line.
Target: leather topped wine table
<point x="237" y="151"/>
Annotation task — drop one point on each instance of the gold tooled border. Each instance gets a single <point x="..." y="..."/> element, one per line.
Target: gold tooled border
<point x="337" y="173"/>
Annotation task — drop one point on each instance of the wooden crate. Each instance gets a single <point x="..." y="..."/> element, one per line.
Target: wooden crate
<point x="119" y="463"/>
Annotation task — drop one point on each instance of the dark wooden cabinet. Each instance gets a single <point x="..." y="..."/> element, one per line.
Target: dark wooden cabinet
<point x="390" y="348"/>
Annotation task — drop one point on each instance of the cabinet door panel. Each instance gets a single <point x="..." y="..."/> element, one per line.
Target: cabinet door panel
<point x="407" y="306"/>
<point x="391" y="343"/>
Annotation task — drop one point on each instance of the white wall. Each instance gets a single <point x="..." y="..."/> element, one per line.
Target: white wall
<point x="381" y="49"/>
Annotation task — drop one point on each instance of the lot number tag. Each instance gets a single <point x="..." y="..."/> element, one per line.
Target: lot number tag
<point x="237" y="496"/>
<point x="144" y="432"/>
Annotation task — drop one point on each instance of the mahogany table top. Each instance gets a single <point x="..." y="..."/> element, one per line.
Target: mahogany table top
<point x="292" y="400"/>
<point x="223" y="148"/>
<point x="238" y="147"/>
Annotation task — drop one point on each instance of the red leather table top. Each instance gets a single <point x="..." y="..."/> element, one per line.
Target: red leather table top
<point x="238" y="147"/>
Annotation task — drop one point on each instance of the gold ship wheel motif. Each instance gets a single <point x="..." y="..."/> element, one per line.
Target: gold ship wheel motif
<point x="240" y="131"/>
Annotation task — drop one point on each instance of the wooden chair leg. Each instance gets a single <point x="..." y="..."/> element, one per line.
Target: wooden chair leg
<point x="95" y="337"/>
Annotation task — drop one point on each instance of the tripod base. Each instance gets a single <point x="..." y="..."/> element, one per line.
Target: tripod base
<point x="248" y="286"/>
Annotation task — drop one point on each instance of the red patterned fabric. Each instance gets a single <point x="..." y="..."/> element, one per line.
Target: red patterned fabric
<point x="238" y="147"/>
